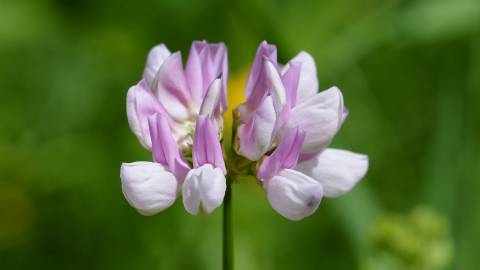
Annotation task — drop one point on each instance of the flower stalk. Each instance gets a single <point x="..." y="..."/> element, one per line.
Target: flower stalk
<point x="227" y="227"/>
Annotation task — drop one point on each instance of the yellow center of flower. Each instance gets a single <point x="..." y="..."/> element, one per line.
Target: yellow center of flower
<point x="236" y="87"/>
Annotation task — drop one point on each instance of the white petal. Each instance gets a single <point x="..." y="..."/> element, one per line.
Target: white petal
<point x="308" y="83"/>
<point x="254" y="137"/>
<point x="211" y="98"/>
<point x="203" y="189"/>
<point x="337" y="170"/>
<point x="148" y="187"/>
<point x="155" y="59"/>
<point x="293" y="194"/>
<point x="278" y="90"/>
<point x="320" y="116"/>
<point x="133" y="120"/>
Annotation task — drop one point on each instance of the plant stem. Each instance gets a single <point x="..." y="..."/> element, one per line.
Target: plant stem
<point x="227" y="228"/>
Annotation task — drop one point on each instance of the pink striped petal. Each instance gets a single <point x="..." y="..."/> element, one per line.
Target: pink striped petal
<point x="205" y="63"/>
<point x="206" y="144"/>
<point x="284" y="157"/>
<point x="291" y="79"/>
<point x="320" y="117"/>
<point x="164" y="148"/>
<point x="255" y="136"/>
<point x="172" y="89"/>
<point x="140" y="105"/>
<point x="264" y="50"/>
<point x="308" y="82"/>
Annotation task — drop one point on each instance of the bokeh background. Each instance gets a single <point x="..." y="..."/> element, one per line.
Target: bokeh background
<point x="410" y="75"/>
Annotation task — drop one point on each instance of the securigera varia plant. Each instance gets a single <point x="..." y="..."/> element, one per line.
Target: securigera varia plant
<point x="281" y="134"/>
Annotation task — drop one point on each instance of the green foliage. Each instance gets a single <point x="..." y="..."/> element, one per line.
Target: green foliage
<point x="420" y="240"/>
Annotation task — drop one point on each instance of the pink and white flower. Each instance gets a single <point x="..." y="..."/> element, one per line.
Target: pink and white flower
<point x="177" y="93"/>
<point x="285" y="126"/>
<point x="284" y="112"/>
<point x="176" y="112"/>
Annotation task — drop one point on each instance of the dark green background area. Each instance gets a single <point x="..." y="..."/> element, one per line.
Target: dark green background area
<point x="409" y="72"/>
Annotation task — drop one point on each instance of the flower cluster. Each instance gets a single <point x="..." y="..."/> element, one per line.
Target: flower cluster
<point x="177" y="114"/>
<point x="285" y="113"/>
<point x="283" y="128"/>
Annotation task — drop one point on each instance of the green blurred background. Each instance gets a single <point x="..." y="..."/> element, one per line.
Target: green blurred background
<point x="410" y="74"/>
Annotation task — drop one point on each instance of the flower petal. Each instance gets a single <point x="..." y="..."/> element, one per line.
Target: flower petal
<point x="264" y="50"/>
<point x="255" y="136"/>
<point x="307" y="156"/>
<point x="172" y="89"/>
<point x="224" y="75"/>
<point x="275" y="85"/>
<point x="293" y="194"/>
<point x="285" y="155"/>
<point x="320" y="117"/>
<point x="155" y="59"/>
<point x="289" y="84"/>
<point x="212" y="98"/>
<point x="193" y="71"/>
<point x="206" y="144"/>
<point x="205" y="63"/>
<point x="148" y="187"/>
<point x="308" y="84"/>
<point x="140" y="105"/>
<point x="203" y="189"/>
<point x="219" y="55"/>
<point x="291" y="79"/>
<point x="337" y="170"/>
<point x="164" y="148"/>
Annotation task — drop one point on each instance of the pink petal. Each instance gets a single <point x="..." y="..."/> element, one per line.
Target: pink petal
<point x="264" y="50"/>
<point x="320" y="117"/>
<point x="172" y="89"/>
<point x="308" y="82"/>
<point x="206" y="144"/>
<point x="164" y="148"/>
<point x="284" y="157"/>
<point x="255" y="136"/>
<point x="140" y="105"/>
<point x="205" y="63"/>
<point x="291" y="79"/>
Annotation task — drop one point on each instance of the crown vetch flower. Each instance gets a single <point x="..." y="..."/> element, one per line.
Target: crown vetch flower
<point x="284" y="112"/>
<point x="184" y="112"/>
<point x="177" y="93"/>
<point x="283" y="97"/>
<point x="284" y="126"/>
<point x="151" y="187"/>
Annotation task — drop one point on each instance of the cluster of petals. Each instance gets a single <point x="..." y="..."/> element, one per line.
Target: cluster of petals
<point x="176" y="113"/>
<point x="286" y="125"/>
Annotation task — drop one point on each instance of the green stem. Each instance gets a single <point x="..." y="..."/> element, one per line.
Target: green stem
<point x="227" y="228"/>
